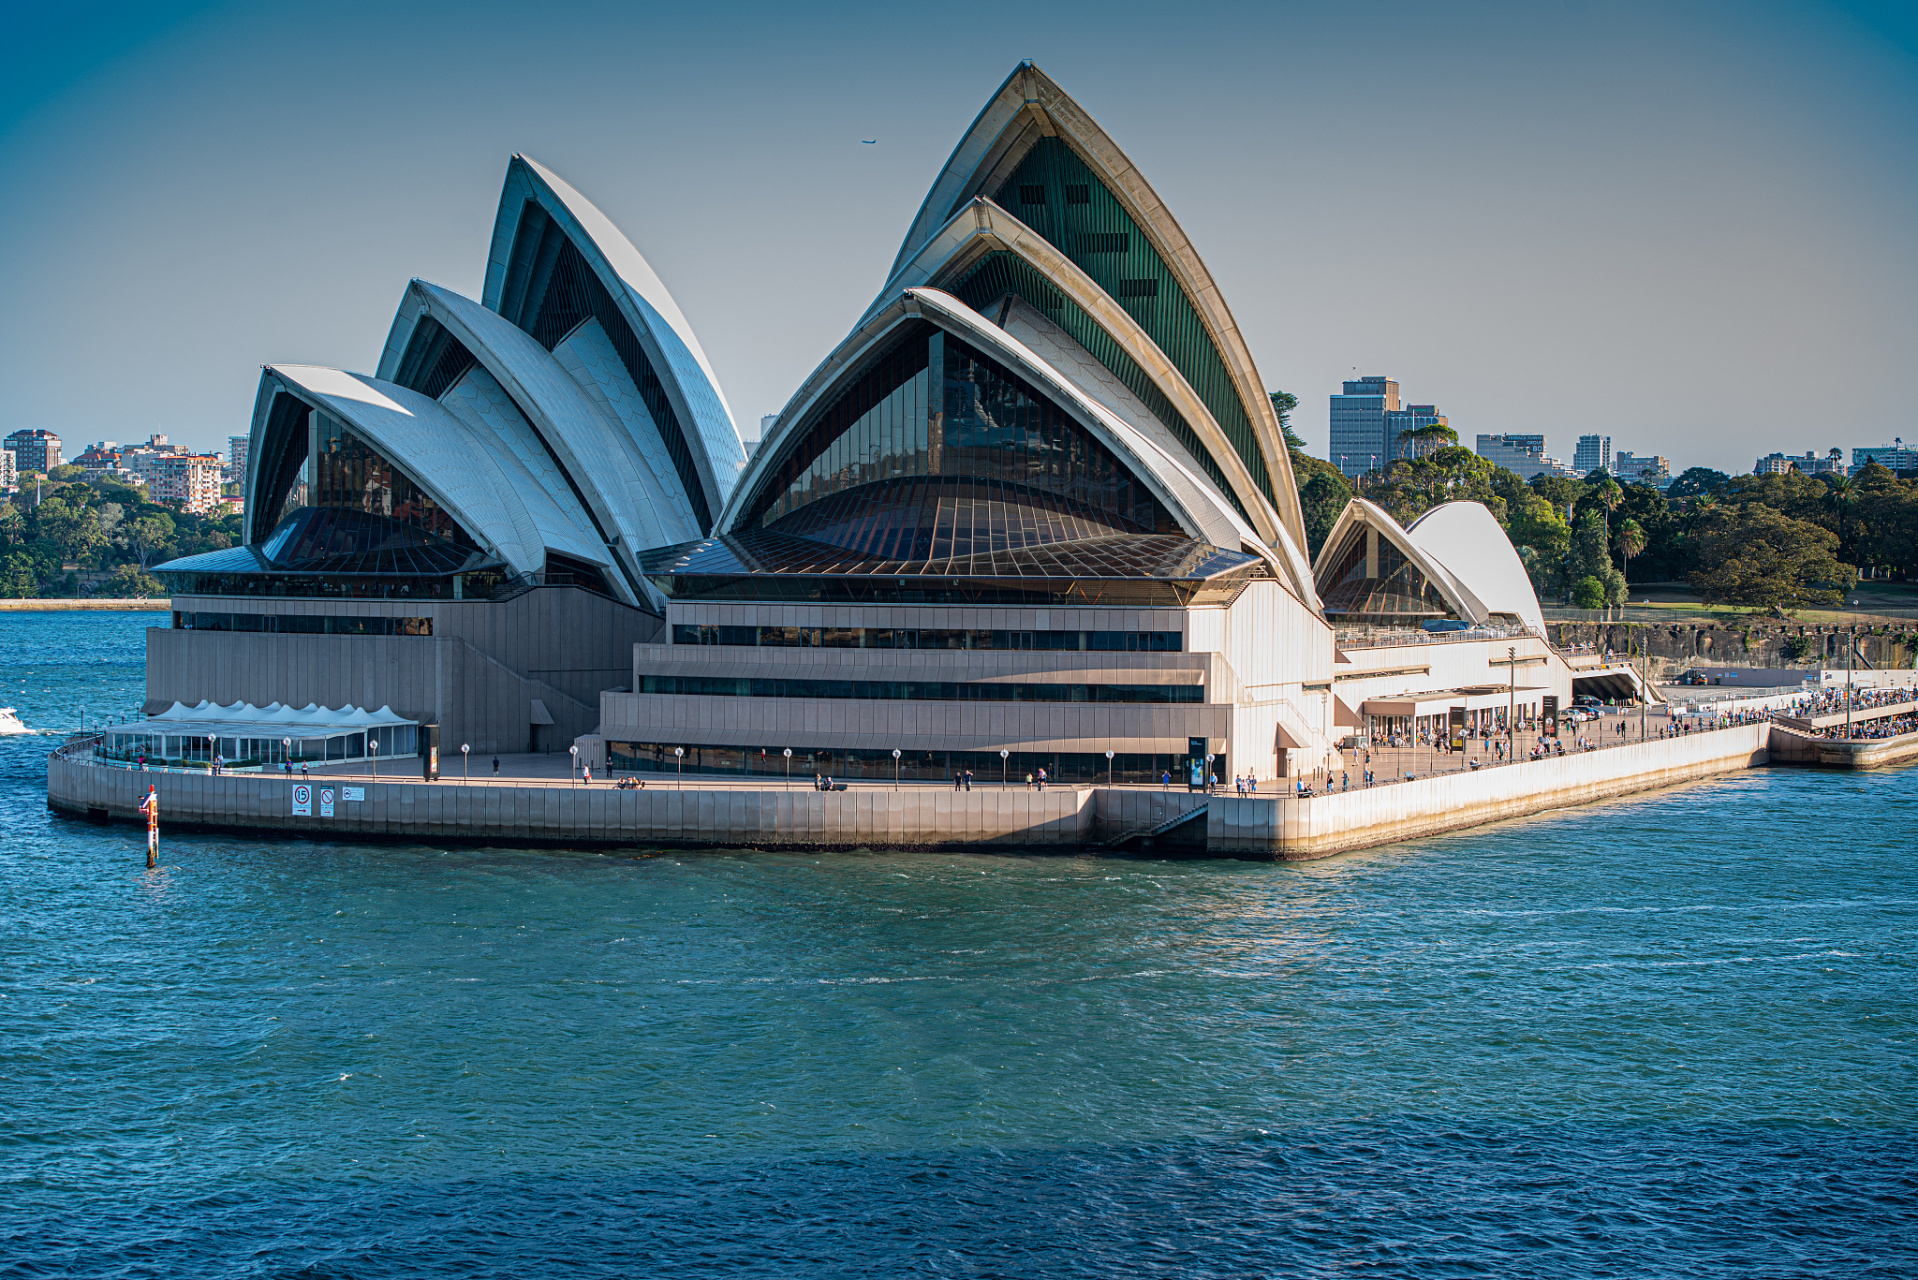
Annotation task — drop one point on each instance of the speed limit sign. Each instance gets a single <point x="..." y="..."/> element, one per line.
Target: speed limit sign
<point x="302" y="800"/>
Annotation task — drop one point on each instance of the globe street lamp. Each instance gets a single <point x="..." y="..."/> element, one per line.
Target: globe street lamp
<point x="789" y="768"/>
<point x="1108" y="768"/>
<point x="466" y="774"/>
<point x="574" y="752"/>
<point x="209" y="754"/>
<point x="680" y="783"/>
<point x="895" y="768"/>
<point x="1003" y="753"/>
<point x="286" y="754"/>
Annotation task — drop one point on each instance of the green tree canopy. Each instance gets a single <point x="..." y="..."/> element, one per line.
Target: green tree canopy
<point x="1694" y="481"/>
<point x="1749" y="554"/>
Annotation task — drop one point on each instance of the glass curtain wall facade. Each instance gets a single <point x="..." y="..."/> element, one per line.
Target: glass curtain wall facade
<point x="1001" y="272"/>
<point x="1399" y="595"/>
<point x="655" y="762"/>
<point x="939" y="451"/>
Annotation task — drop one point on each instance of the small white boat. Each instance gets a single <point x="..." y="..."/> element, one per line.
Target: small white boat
<point x="10" y="723"/>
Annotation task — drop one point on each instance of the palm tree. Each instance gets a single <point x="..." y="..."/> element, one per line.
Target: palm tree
<point x="1631" y="541"/>
<point x="1840" y="493"/>
<point x="1608" y="495"/>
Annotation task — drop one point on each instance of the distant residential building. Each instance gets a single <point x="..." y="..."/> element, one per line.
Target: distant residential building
<point x="1411" y="418"/>
<point x="190" y="479"/>
<point x="9" y="477"/>
<point x="1592" y="453"/>
<point x="143" y="460"/>
<point x="1894" y="455"/>
<point x="1809" y="462"/>
<point x="1357" y="434"/>
<point x="1651" y="469"/>
<point x="1524" y="454"/>
<point x="236" y="459"/>
<point x="35" y="450"/>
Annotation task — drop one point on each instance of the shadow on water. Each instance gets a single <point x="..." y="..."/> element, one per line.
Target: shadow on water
<point x="1412" y="1197"/>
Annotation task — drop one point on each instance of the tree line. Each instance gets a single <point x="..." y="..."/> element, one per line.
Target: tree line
<point x="99" y="528"/>
<point x="1770" y="542"/>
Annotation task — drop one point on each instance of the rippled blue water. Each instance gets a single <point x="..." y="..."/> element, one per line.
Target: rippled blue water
<point x="1670" y="1035"/>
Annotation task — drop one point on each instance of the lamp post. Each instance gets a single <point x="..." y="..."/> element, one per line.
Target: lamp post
<point x="286" y="754"/>
<point x="895" y="768"/>
<point x="574" y="752"/>
<point x="1511" y="702"/>
<point x="466" y="773"/>
<point x="1211" y="770"/>
<point x="209" y="754"/>
<point x="1108" y="768"/>
<point x="788" y="753"/>
<point x="679" y="784"/>
<point x="1003" y="753"/>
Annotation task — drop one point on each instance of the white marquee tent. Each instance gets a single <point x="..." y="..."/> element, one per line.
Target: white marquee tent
<point x="244" y="734"/>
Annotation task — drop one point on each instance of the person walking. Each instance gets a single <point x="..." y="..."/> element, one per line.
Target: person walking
<point x="496" y="766"/>
<point x="968" y="779"/>
<point x="958" y="776"/>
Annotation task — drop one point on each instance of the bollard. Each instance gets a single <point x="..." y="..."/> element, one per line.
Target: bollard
<point x="151" y="807"/>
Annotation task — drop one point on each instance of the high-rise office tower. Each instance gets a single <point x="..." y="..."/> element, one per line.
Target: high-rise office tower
<point x="236" y="459"/>
<point x="1593" y="452"/>
<point x="1358" y="439"/>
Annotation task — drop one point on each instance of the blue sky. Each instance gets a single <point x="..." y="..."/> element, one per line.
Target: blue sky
<point x="1687" y="225"/>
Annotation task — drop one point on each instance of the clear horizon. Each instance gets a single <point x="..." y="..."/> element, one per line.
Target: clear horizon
<point x="1687" y="228"/>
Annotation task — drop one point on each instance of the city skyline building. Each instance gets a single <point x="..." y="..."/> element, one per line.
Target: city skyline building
<point x="35" y="450"/>
<point x="1357" y="437"/>
<point x="1810" y="462"/>
<point x="1594" y="452"/>
<point x="190" y="479"/>
<point x="1650" y="469"/>
<point x="9" y="474"/>
<point x="1894" y="456"/>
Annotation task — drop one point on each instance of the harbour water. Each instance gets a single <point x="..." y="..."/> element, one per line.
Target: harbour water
<point x="1670" y="1034"/>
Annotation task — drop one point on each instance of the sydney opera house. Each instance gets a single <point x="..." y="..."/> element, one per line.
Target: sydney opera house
<point x="1034" y="510"/>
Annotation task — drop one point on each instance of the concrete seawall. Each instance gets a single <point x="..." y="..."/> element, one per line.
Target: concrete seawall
<point x="1327" y="825"/>
<point x="588" y="816"/>
<point x="1062" y="818"/>
<point x="1790" y="746"/>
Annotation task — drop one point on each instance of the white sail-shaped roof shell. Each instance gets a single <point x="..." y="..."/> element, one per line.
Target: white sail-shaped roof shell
<point x="465" y="472"/>
<point x="660" y="327"/>
<point x="1460" y="547"/>
<point x="1477" y="553"/>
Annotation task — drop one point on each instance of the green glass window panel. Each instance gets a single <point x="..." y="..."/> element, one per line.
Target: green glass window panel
<point x="1084" y="220"/>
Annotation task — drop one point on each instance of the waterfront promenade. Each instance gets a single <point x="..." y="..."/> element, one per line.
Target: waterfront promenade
<point x="872" y="814"/>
